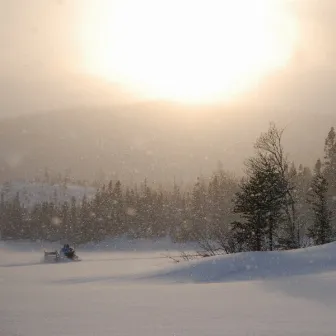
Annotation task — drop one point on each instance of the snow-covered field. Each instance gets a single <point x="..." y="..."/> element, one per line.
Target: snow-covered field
<point x="120" y="292"/>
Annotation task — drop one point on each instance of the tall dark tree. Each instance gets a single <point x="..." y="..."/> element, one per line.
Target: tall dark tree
<point x="3" y="222"/>
<point x="330" y="159"/>
<point x="118" y="209"/>
<point x="199" y="219"/>
<point x="15" y="217"/>
<point x="321" y="230"/>
<point x="85" y="228"/>
<point x="329" y="171"/>
<point x="260" y="203"/>
<point x="270" y="145"/>
<point x="73" y="222"/>
<point x="222" y="188"/>
<point x="302" y="181"/>
<point x="175" y="212"/>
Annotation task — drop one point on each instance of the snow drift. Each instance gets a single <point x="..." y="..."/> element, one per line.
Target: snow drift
<point x="126" y="293"/>
<point x="253" y="266"/>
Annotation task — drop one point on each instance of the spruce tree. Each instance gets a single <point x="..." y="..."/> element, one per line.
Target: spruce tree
<point x="270" y="145"/>
<point x="199" y="206"/>
<point x="321" y="230"/>
<point x="329" y="171"/>
<point x="330" y="160"/>
<point x="118" y="209"/>
<point x="260" y="203"/>
<point x="73" y="221"/>
<point x="200" y="230"/>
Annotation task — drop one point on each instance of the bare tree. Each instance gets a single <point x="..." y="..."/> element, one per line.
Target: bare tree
<point x="270" y="146"/>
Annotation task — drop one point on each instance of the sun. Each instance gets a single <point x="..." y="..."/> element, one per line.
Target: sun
<point x="186" y="50"/>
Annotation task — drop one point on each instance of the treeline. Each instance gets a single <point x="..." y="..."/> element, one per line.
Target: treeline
<point x="277" y="205"/>
<point x="144" y="211"/>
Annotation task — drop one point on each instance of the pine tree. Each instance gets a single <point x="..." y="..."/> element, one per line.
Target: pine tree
<point x="270" y="145"/>
<point x="222" y="188"/>
<point x="73" y="221"/>
<point x="3" y="222"/>
<point x="159" y="228"/>
<point x="118" y="209"/>
<point x="15" y="219"/>
<point x="321" y="230"/>
<point x="214" y="196"/>
<point x="65" y="230"/>
<point x="200" y="229"/>
<point x="198" y="207"/>
<point x="303" y="181"/>
<point x="330" y="160"/>
<point x="329" y="171"/>
<point x="249" y="203"/>
<point x="260" y="202"/>
<point x="130" y="211"/>
<point x="85" y="226"/>
<point x="35" y="219"/>
<point x="173" y="214"/>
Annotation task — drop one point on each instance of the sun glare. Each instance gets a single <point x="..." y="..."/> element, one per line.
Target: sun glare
<point x="186" y="50"/>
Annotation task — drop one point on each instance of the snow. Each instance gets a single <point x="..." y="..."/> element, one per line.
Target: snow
<point x="125" y="292"/>
<point x="254" y="266"/>
<point x="33" y="192"/>
<point x="110" y="244"/>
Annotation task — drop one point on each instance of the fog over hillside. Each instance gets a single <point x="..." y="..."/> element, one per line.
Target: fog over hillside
<point x="43" y="68"/>
<point x="159" y="141"/>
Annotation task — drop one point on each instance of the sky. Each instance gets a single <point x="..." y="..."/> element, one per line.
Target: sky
<point x="54" y="54"/>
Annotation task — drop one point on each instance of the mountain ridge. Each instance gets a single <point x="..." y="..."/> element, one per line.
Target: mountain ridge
<point x="152" y="140"/>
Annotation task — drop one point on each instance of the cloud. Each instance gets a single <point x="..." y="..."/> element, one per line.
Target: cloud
<point x="307" y="83"/>
<point x="40" y="58"/>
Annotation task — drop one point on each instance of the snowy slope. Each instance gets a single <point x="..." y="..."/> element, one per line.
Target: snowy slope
<point x="32" y="193"/>
<point x="254" y="266"/>
<point x="140" y="293"/>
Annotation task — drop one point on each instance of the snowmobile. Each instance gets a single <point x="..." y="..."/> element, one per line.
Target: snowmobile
<point x="55" y="256"/>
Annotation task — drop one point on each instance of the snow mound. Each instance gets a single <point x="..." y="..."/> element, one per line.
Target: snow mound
<point x="252" y="266"/>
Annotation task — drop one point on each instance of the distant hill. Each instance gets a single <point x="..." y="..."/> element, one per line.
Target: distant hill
<point x="159" y="141"/>
<point x="31" y="193"/>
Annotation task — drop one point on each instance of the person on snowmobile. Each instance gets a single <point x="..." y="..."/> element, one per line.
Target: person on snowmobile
<point x="68" y="251"/>
<point x="65" y="249"/>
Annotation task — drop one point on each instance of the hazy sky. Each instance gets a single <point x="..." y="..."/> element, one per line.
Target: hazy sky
<point x="42" y="58"/>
